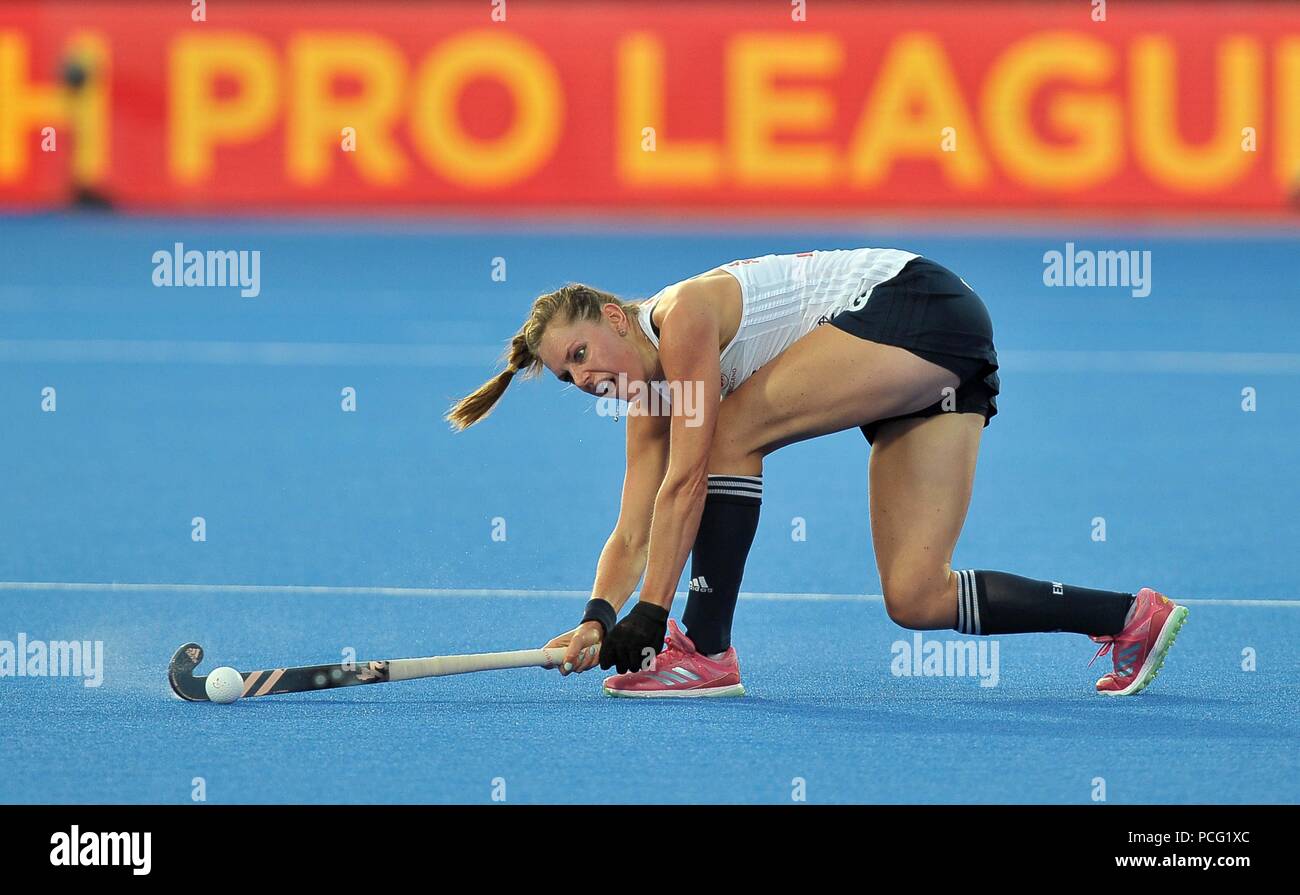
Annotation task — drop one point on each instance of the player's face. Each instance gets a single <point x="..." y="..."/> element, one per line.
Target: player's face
<point x="593" y="356"/>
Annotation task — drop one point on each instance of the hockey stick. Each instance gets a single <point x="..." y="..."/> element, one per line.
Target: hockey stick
<point x="306" y="678"/>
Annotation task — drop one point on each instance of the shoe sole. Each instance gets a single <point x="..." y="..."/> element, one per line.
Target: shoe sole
<point x="701" y="693"/>
<point x="1151" y="667"/>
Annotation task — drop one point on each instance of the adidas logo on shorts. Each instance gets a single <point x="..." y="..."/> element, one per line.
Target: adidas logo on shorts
<point x="699" y="585"/>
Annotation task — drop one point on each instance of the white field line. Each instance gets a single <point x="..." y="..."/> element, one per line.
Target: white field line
<point x="472" y="593"/>
<point x="291" y="354"/>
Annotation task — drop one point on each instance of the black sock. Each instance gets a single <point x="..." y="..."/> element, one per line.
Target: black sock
<point x="718" y="558"/>
<point x="998" y="603"/>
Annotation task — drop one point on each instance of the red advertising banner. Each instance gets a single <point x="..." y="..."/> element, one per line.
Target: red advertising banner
<point x="744" y="106"/>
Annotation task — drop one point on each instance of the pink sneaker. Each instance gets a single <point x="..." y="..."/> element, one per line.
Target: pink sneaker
<point x="680" y="672"/>
<point x="1139" y="650"/>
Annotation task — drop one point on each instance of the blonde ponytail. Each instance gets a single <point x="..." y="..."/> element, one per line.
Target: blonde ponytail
<point x="473" y="407"/>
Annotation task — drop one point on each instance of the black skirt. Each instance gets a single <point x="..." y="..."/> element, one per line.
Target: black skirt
<point x="930" y="311"/>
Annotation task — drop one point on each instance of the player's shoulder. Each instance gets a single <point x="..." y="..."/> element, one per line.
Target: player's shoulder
<point x="713" y="294"/>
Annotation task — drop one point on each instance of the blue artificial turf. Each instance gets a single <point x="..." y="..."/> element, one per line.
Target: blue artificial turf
<point x="1123" y="408"/>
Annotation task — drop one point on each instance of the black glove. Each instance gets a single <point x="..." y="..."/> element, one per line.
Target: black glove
<point x="625" y="647"/>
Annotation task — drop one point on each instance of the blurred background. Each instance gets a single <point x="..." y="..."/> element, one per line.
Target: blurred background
<point x="585" y="108"/>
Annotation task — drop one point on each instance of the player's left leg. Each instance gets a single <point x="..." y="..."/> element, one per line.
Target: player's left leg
<point x="922" y="472"/>
<point x="920" y="480"/>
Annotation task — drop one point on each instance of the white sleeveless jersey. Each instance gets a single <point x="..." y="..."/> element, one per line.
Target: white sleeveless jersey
<point x="785" y="296"/>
